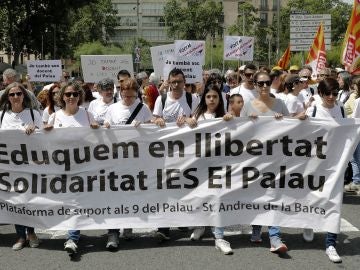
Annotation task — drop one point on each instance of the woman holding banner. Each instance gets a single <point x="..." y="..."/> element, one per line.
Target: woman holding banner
<point x="328" y="91"/>
<point x="212" y="106"/>
<point x="17" y="112"/>
<point x="265" y="105"/>
<point x="70" y="98"/>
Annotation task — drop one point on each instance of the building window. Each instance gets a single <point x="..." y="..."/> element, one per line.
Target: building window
<point x="153" y="22"/>
<point x="263" y="18"/>
<point x="275" y="4"/>
<point x="263" y="4"/>
<point x="128" y="21"/>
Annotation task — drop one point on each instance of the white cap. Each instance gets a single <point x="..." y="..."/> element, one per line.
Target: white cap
<point x="242" y="67"/>
<point x="338" y="70"/>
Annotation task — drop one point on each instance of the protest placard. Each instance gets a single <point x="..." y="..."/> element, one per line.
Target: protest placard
<point x="44" y="70"/>
<point x="98" y="67"/>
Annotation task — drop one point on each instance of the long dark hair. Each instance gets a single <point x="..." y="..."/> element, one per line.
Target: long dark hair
<point x="4" y="100"/>
<point x="202" y="107"/>
<point x="51" y="99"/>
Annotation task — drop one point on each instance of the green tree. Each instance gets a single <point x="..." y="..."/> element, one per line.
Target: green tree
<point x="43" y="25"/>
<point x="193" y="20"/>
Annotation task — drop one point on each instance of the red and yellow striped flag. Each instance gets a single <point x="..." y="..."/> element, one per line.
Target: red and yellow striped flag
<point x="350" y="56"/>
<point x="285" y="59"/>
<point x="317" y="54"/>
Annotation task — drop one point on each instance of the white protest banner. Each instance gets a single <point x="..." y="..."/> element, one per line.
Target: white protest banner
<point x="238" y="48"/>
<point x="191" y="48"/>
<point x="191" y="66"/>
<point x="159" y="56"/>
<point x="98" y="67"/>
<point x="44" y="70"/>
<point x="266" y="172"/>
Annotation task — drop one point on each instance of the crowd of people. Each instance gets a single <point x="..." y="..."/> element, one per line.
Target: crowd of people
<point x="249" y="91"/>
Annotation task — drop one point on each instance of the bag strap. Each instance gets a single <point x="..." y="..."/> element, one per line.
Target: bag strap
<point x="134" y="113"/>
<point x="314" y="112"/>
<point x="342" y="111"/>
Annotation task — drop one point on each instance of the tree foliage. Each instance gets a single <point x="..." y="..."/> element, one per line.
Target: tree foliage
<point x="47" y="25"/>
<point x="193" y="20"/>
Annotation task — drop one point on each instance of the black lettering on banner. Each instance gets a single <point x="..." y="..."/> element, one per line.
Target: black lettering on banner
<point x="101" y="149"/>
<point x="254" y="145"/>
<point x="195" y="180"/>
<point x="5" y="183"/>
<point x="86" y="157"/>
<point x="125" y="147"/>
<point x="4" y="153"/>
<point x="156" y="146"/>
<point x="57" y="154"/>
<point x="249" y="174"/>
<point x="22" y="154"/>
<point x="21" y="185"/>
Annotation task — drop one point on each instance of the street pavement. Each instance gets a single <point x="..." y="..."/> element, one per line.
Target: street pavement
<point x="144" y="252"/>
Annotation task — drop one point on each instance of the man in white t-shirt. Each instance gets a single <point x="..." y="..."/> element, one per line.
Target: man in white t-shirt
<point x="99" y="107"/>
<point x="247" y="89"/>
<point x="177" y="106"/>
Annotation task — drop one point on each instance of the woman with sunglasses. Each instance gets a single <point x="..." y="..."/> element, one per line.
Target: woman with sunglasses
<point x="51" y="105"/>
<point x="266" y="105"/>
<point x="17" y="112"/>
<point x="328" y="91"/>
<point x="71" y="114"/>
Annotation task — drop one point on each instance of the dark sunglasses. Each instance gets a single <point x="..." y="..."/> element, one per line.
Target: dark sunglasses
<point x="69" y="94"/>
<point x="334" y="94"/>
<point x="19" y="94"/>
<point x="248" y="75"/>
<point x="262" y="83"/>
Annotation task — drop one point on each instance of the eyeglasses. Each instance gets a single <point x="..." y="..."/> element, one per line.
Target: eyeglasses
<point x="54" y="93"/>
<point x="176" y="82"/>
<point x="334" y="94"/>
<point x="69" y="94"/>
<point x="19" y="94"/>
<point x="248" y="75"/>
<point x="263" y="83"/>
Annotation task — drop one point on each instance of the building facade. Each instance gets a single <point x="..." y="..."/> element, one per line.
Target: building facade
<point x="145" y="18"/>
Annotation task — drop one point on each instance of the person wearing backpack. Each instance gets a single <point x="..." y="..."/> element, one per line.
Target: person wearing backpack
<point x="328" y="108"/>
<point x="175" y="106"/>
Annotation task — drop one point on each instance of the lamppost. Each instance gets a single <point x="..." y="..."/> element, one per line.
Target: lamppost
<point x="268" y="39"/>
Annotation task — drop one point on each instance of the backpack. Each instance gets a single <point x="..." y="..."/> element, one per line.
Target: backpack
<point x="188" y="99"/>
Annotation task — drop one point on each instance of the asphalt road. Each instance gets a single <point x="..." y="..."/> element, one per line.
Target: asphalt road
<point x="180" y="253"/>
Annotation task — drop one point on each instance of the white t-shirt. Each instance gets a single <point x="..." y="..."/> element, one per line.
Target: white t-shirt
<point x="98" y="108"/>
<point x="20" y="120"/>
<point x="46" y="115"/>
<point x="118" y="113"/>
<point x="322" y="112"/>
<point x="293" y="104"/>
<point x="247" y="94"/>
<point x="206" y="116"/>
<point x="81" y="118"/>
<point x="356" y="111"/>
<point x="174" y="108"/>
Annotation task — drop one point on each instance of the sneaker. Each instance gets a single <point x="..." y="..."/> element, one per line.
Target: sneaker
<point x="128" y="234"/>
<point x="256" y="234"/>
<point x="277" y="246"/>
<point x="332" y="254"/>
<point x="113" y="241"/>
<point x="34" y="242"/>
<point x="197" y="233"/>
<point x="352" y="187"/>
<point x="20" y="244"/>
<point x="308" y="235"/>
<point x="223" y="246"/>
<point x="162" y="235"/>
<point x="70" y="246"/>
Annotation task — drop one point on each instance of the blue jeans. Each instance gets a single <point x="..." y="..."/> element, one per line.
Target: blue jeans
<point x="330" y="239"/>
<point x="355" y="164"/>
<point x="218" y="232"/>
<point x="21" y="231"/>
<point x="74" y="235"/>
<point x="274" y="231"/>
